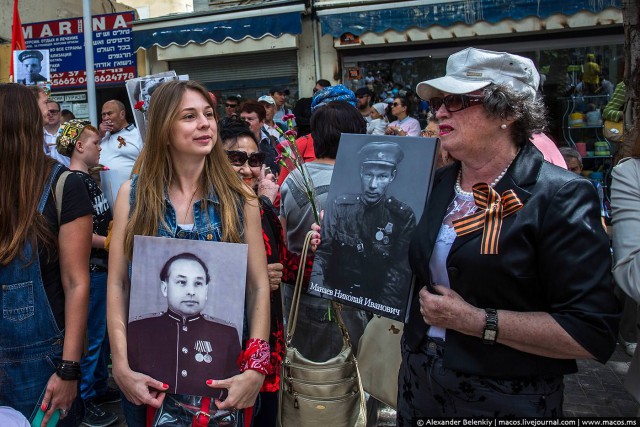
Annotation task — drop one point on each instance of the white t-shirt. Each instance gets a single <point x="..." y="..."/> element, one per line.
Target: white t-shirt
<point x="120" y="149"/>
<point x="50" y="147"/>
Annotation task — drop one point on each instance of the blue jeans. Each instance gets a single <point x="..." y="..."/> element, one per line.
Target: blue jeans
<point x="94" y="364"/>
<point x="135" y="415"/>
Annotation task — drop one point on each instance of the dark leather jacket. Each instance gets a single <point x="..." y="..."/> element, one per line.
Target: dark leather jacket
<point x="553" y="257"/>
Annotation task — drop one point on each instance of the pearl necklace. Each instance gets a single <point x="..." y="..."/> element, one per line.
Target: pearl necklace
<point x="461" y="192"/>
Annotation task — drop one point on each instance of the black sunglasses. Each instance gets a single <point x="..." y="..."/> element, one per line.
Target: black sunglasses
<point x="231" y="105"/>
<point x="395" y="104"/>
<point x="239" y="158"/>
<point x="453" y="103"/>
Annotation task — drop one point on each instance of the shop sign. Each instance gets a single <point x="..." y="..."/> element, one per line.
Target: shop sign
<point x="74" y="97"/>
<point x="113" y="56"/>
<point x="349" y="38"/>
<point x="354" y="73"/>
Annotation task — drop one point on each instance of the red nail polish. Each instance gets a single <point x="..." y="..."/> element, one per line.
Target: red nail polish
<point x="165" y="385"/>
<point x="44" y="406"/>
<point x="209" y="382"/>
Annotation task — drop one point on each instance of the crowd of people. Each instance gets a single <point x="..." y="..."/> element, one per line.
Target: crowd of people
<point x="512" y="264"/>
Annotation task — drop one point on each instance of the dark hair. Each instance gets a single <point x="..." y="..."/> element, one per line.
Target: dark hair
<point x="164" y="273"/>
<point x="527" y="111"/>
<point x="323" y="83"/>
<point x="329" y="122"/>
<point x="66" y="112"/>
<point x="405" y="103"/>
<point x="254" y="107"/>
<point x="51" y="101"/>
<point x="233" y="129"/>
<point x="233" y="98"/>
<point x="570" y="153"/>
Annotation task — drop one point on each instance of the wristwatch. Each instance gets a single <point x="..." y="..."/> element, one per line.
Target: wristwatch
<point x="490" y="332"/>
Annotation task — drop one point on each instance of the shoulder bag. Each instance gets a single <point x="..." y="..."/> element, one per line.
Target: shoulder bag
<point x="319" y="393"/>
<point x="379" y="359"/>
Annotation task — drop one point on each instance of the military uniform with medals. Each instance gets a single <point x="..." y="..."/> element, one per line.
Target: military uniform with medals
<point x="185" y="352"/>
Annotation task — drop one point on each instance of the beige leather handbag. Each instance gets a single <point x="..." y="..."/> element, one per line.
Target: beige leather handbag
<point x="380" y="358"/>
<point x="319" y="393"/>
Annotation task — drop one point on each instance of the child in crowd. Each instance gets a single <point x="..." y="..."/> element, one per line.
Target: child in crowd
<point x="80" y="141"/>
<point x="379" y="120"/>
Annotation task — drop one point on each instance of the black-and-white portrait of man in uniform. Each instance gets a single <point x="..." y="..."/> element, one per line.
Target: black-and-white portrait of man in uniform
<point x="183" y="345"/>
<point x="31" y="66"/>
<point x="362" y="260"/>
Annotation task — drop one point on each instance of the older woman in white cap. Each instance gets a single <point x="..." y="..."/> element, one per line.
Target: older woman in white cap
<point x="512" y="263"/>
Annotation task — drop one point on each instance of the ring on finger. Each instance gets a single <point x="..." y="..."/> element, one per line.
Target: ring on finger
<point x="64" y="412"/>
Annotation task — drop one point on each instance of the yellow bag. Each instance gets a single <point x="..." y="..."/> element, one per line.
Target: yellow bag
<point x="613" y="131"/>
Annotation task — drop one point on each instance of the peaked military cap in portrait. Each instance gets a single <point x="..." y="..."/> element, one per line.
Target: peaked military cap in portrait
<point x="381" y="153"/>
<point x="28" y="54"/>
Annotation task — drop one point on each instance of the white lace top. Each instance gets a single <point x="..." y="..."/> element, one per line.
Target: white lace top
<point x="462" y="205"/>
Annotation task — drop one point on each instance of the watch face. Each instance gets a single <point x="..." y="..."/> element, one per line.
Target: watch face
<point x="490" y="335"/>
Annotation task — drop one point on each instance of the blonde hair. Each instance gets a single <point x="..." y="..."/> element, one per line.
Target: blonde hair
<point x="156" y="171"/>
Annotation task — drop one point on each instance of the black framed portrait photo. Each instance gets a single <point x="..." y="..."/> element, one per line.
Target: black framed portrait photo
<point x="376" y="198"/>
<point x="186" y="311"/>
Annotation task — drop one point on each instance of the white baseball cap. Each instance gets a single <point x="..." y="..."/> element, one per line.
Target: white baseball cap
<point x="268" y="99"/>
<point x="472" y="69"/>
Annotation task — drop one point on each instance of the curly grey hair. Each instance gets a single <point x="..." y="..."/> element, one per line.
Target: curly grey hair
<point x="528" y="112"/>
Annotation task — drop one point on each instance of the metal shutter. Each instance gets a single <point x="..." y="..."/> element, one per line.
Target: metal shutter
<point x="241" y="67"/>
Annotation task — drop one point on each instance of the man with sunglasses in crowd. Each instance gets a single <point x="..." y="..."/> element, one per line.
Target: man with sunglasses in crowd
<point x="51" y="128"/>
<point x="231" y="108"/>
<point x="254" y="114"/>
<point x="364" y="96"/>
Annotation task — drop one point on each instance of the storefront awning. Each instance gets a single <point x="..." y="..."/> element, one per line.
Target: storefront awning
<point x="236" y="26"/>
<point x="401" y="16"/>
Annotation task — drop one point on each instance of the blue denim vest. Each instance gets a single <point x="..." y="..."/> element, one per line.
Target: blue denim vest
<point x="207" y="223"/>
<point x="30" y="340"/>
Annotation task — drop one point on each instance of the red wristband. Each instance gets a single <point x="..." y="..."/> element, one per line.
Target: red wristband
<point x="257" y="356"/>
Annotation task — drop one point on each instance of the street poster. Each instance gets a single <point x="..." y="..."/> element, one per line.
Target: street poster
<point x="113" y="55"/>
<point x="186" y="311"/>
<point x="377" y="195"/>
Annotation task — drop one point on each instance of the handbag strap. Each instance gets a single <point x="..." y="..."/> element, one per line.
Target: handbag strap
<point x="297" y="293"/>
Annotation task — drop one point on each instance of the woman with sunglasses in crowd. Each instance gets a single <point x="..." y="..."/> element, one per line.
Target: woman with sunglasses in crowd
<point x="404" y="125"/>
<point x="248" y="162"/>
<point x="512" y="264"/>
<point x="45" y="242"/>
<point x="187" y="189"/>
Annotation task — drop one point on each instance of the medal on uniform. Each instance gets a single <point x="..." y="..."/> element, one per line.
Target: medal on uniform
<point x="199" y="347"/>
<point x="207" y="349"/>
<point x="379" y="234"/>
<point x="388" y="228"/>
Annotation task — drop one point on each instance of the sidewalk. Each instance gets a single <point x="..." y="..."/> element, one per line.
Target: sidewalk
<point x="595" y="391"/>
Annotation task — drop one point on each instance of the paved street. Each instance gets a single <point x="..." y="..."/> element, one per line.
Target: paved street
<point x="595" y="391"/>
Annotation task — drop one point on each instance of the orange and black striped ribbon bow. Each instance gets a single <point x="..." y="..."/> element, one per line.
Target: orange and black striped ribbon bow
<point x="491" y="209"/>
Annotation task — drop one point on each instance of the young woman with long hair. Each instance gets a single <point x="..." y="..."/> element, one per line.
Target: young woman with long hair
<point x="186" y="189"/>
<point x="44" y="268"/>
